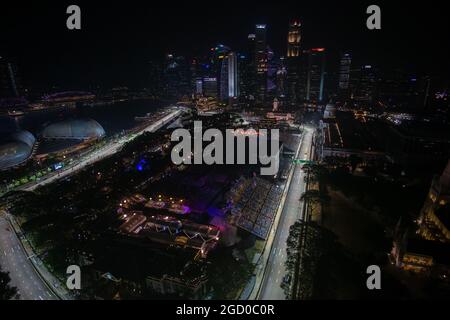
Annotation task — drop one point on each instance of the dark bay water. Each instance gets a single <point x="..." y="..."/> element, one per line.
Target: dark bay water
<point x="113" y="118"/>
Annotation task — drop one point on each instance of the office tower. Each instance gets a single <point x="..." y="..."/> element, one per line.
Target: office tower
<point x="272" y="68"/>
<point x="10" y="85"/>
<point x="315" y="75"/>
<point x="244" y="75"/>
<point x="233" y="75"/>
<point x="194" y="75"/>
<point x="223" y="78"/>
<point x="176" y="77"/>
<point x="198" y="86"/>
<point x="281" y="79"/>
<point x="362" y="83"/>
<point x="261" y="62"/>
<point x="210" y="87"/>
<point x="249" y="70"/>
<point x="367" y="83"/>
<point x="216" y="70"/>
<point x="344" y="71"/>
<point x="294" y="37"/>
<point x="229" y="79"/>
<point x="293" y="61"/>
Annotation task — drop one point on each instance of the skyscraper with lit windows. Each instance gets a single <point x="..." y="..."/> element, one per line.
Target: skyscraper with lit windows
<point x="233" y="75"/>
<point x="344" y="71"/>
<point x="315" y="79"/>
<point x="261" y="62"/>
<point x="293" y="62"/>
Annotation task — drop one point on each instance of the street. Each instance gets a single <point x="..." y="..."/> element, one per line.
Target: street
<point x="14" y="260"/>
<point x="98" y="155"/>
<point x="292" y="211"/>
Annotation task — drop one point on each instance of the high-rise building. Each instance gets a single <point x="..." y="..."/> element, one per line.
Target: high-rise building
<point x="210" y="87"/>
<point x="198" y="86"/>
<point x="223" y="78"/>
<point x="362" y="83"/>
<point x="10" y="85"/>
<point x="344" y="71"/>
<point x="176" y="77"/>
<point x="272" y="68"/>
<point x="293" y="62"/>
<point x="315" y="78"/>
<point x="218" y="69"/>
<point x="244" y="76"/>
<point x="367" y="84"/>
<point x="229" y="81"/>
<point x="281" y="80"/>
<point x="294" y="37"/>
<point x="248" y="70"/>
<point x="233" y="75"/>
<point x="261" y="62"/>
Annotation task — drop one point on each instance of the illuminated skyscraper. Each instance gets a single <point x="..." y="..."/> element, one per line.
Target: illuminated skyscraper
<point x="367" y="84"/>
<point x="229" y="82"/>
<point x="294" y="37"/>
<point x="293" y="62"/>
<point x="219" y="69"/>
<point x="261" y="62"/>
<point x="248" y="70"/>
<point x="233" y="75"/>
<point x="223" y="87"/>
<point x="209" y="87"/>
<point x="176" y="77"/>
<point x="344" y="71"/>
<point x="315" y="75"/>
<point x="272" y="67"/>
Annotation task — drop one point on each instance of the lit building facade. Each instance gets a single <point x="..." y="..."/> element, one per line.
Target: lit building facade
<point x="315" y="75"/>
<point x="261" y="62"/>
<point x="344" y="71"/>
<point x="233" y="75"/>
<point x="293" y="62"/>
<point x="434" y="222"/>
<point x="209" y="87"/>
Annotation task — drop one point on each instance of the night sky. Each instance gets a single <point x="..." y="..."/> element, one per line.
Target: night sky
<point x="117" y="39"/>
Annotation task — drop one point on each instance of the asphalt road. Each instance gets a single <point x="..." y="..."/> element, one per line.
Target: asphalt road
<point x="14" y="260"/>
<point x="292" y="211"/>
<point x="103" y="153"/>
<point x="12" y="256"/>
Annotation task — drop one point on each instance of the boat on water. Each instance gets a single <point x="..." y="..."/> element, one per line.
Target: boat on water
<point x="15" y="113"/>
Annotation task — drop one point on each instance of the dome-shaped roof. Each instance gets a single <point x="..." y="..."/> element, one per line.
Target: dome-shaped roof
<point x="18" y="149"/>
<point x="74" y="129"/>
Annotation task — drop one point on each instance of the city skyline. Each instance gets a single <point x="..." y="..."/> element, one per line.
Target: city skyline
<point x="224" y="151"/>
<point x="114" y="45"/>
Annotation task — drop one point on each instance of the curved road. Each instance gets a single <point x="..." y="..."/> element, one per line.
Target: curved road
<point x="14" y="260"/>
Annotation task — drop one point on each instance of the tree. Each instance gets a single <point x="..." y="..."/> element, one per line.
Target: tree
<point x="6" y="291"/>
<point x="314" y="197"/>
<point x="316" y="172"/>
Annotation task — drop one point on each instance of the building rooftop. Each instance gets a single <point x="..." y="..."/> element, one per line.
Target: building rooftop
<point x="349" y="133"/>
<point x="438" y="250"/>
<point x="74" y="129"/>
